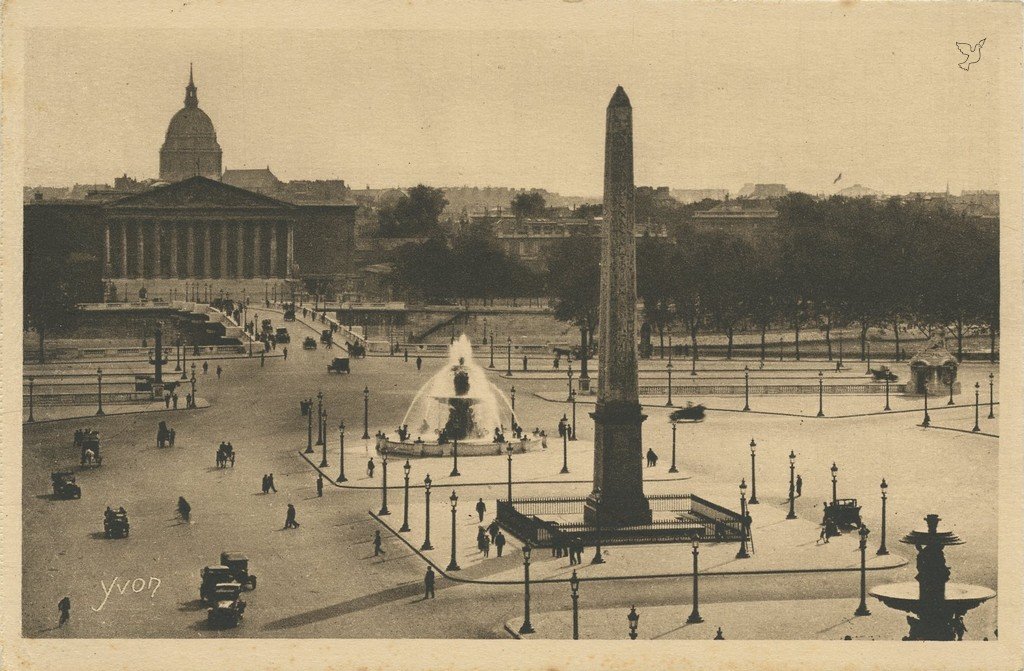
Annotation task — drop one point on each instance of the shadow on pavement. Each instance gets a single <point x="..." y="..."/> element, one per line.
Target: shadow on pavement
<point x="393" y="594"/>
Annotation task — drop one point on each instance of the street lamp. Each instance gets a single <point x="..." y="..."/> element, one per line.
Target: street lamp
<point x="742" y="554"/>
<point x="99" y="392"/>
<point x="693" y="365"/>
<point x="668" y="369"/>
<point x="574" y="585"/>
<point x="791" y="515"/>
<point x="31" y="384"/>
<point x="991" y="396"/>
<point x="455" y="460"/>
<point x="491" y="341"/>
<point x="927" y="420"/>
<point x="568" y="373"/>
<point x="366" y="413"/>
<point x="572" y="400"/>
<point x="184" y="358"/>
<point x="565" y="446"/>
<point x="672" y="468"/>
<point x="384" y="483"/>
<point x="882" y="550"/>
<point x="834" y="469"/>
<point x="319" y="416"/>
<point x="950" y="401"/>
<point x="753" y="473"/>
<point x="177" y="354"/>
<point x="192" y="381"/>
<point x="513" y="391"/>
<point x="526" y="628"/>
<point x="309" y="426"/>
<point x="453" y="565"/>
<point x="746" y="388"/>
<point x="695" y="617"/>
<point x="862" y="609"/>
<point x="405" y="508"/>
<point x="868" y="344"/>
<point x="597" y="559"/>
<point x="634" y="619"/>
<point x="508" y="448"/>
<point x="341" y="451"/>
<point x="821" y="394"/>
<point x="977" y="396"/>
<point x="323" y="431"/>
<point x="508" y="369"/>
<point x="887" y="408"/>
<point x="426" y="497"/>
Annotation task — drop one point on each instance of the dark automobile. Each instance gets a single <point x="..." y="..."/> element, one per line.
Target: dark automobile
<point x="282" y="335"/>
<point x="883" y="373"/>
<point x="691" y="413"/>
<point x="238" y="567"/>
<point x="309" y="343"/>
<point x="64" y="486"/>
<point x="88" y="442"/>
<point x="227" y="606"/>
<point x="115" y="523"/>
<point x="339" y="365"/>
<point x="212" y="576"/>
<point x="289" y="315"/>
<point x="326" y="337"/>
<point x="843" y="513"/>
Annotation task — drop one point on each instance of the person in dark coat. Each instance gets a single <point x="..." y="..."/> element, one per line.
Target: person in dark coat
<point x="64" y="606"/>
<point x="428" y="583"/>
<point x="493" y="529"/>
<point x="377" y="550"/>
<point x="369" y="467"/>
<point x="320" y="485"/>
<point x="184" y="509"/>
<point x="289" y="520"/>
<point x="499" y="542"/>
<point x="481" y="508"/>
<point x="206" y="367"/>
<point x="799" y="485"/>
<point x="285" y="352"/>
<point x="266" y="483"/>
<point x="419" y="362"/>
<point x="219" y="371"/>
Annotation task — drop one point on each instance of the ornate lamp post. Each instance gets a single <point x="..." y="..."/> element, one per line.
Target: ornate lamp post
<point x="184" y="358"/>
<point x="821" y="394"/>
<point x="634" y="620"/>
<point x="672" y="468"/>
<point x="491" y="342"/>
<point x="366" y="413"/>
<point x="513" y="392"/>
<point x="319" y="417"/>
<point x="598" y="559"/>
<point x="405" y="508"/>
<point x="927" y="420"/>
<point x="742" y="554"/>
<point x="508" y="368"/>
<point x="572" y="400"/>
<point x="668" y="369"/>
<point x="868" y="345"/>
<point x="887" y="408"/>
<point x="746" y="388"/>
<point x="192" y="381"/>
<point x="753" y="473"/>
<point x="455" y="460"/>
<point x="309" y="426"/>
<point x="323" y="431"/>
<point x="574" y="585"/>
<point x="834" y="469"/>
<point x="791" y="515"/>
<point x="950" y="401"/>
<point x="384" y="483"/>
<point x="977" y="396"/>
<point x="565" y="447"/>
<point x="453" y="565"/>
<point x="508" y="448"/>
<point x="341" y="451"/>
<point x="991" y="397"/>
<point x="693" y="364"/>
<point x="568" y="396"/>
<point x="31" y="384"/>
<point x="99" y="392"/>
<point x="695" y="617"/>
<point x="840" y="352"/>
<point x="177" y="354"/>
<point x="862" y="609"/>
<point x="426" y="497"/>
<point x="526" y="628"/>
<point x="882" y="550"/>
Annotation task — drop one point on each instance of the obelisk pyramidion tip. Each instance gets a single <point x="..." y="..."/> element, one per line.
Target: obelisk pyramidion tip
<point x="619" y="99"/>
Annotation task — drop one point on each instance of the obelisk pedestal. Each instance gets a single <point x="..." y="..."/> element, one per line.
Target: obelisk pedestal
<point x="618" y="496"/>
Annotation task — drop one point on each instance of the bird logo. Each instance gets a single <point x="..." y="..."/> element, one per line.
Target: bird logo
<point x="973" y="54"/>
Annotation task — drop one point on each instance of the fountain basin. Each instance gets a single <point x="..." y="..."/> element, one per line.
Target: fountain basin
<point x="412" y="448"/>
<point x="905" y="596"/>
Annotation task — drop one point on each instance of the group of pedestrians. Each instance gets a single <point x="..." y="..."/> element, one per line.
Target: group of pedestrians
<point x="268" y="484"/>
<point x="573" y="548"/>
<point x="485" y="538"/>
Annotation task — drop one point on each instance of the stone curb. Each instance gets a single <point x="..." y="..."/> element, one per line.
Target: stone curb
<point x="93" y="415"/>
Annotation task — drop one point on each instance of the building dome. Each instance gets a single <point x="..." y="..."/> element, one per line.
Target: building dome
<point x="190" y="146"/>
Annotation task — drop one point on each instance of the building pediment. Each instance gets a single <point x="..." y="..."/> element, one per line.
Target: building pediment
<point x="198" y="192"/>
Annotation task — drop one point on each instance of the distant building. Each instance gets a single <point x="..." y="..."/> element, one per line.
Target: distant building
<point x="190" y="147"/>
<point x="763" y="191"/>
<point x="687" y="196"/>
<point x="858" y="191"/>
<point x="743" y="218"/>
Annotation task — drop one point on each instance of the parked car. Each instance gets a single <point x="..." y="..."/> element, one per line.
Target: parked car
<point x="64" y="486"/>
<point x="115" y="523"/>
<point x="326" y="337"/>
<point x="227" y="607"/>
<point x="282" y="335"/>
<point x="309" y="343"/>
<point x="238" y="567"/>
<point x="339" y="365"/>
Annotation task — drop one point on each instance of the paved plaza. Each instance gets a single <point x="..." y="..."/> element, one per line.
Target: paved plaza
<point x="322" y="579"/>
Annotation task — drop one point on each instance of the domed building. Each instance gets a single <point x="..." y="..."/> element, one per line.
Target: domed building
<point x="190" y="148"/>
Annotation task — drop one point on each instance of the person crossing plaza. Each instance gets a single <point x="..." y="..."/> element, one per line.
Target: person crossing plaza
<point x="206" y="367"/>
<point x="377" y="549"/>
<point x="369" y="467"/>
<point x="320" y="485"/>
<point x="428" y="583"/>
<point x="481" y="508"/>
<point x="499" y="542"/>
<point x="289" y="520"/>
<point x="64" y="606"/>
<point x="219" y="371"/>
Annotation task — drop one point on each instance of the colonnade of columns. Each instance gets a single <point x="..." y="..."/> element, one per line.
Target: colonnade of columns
<point x="256" y="249"/>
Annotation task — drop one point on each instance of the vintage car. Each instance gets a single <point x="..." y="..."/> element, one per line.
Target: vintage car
<point x="282" y="335"/>
<point x="88" y="442"/>
<point x="115" y="523"/>
<point x="843" y="513"/>
<point x="266" y="325"/>
<point x="309" y="343"/>
<point x="326" y="337"/>
<point x="339" y="365"/>
<point x="289" y="314"/>
<point x="238" y="568"/>
<point x="64" y="486"/>
<point x="227" y="605"/>
<point x="691" y="413"/>
<point x="883" y="373"/>
<point x="210" y="577"/>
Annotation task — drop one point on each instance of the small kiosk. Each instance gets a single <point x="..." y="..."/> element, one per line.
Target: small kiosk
<point x="934" y="369"/>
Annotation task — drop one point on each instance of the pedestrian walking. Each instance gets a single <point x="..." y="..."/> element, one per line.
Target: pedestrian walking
<point x="577" y="547"/>
<point x="270" y="483"/>
<point x="167" y="400"/>
<point x="265" y="487"/>
<point x="823" y="536"/>
<point x="320" y="485"/>
<point x="377" y="550"/>
<point x="493" y="529"/>
<point x="481" y="508"/>
<point x="369" y="467"/>
<point x="959" y="628"/>
<point x="262" y="355"/>
<point x="485" y="545"/>
<point x="428" y="583"/>
<point x="64" y="606"/>
<point x="206" y="367"/>
<point x="289" y="520"/>
<point x="481" y="535"/>
<point x="174" y="401"/>
<point x="405" y="355"/>
<point x="284" y="351"/>
<point x="499" y="542"/>
<point x="219" y="370"/>
<point x="184" y="509"/>
<point x="799" y="485"/>
<point x="419" y="362"/>
<point x="525" y="362"/>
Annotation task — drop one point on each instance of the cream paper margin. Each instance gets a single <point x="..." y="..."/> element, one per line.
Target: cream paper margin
<point x="1000" y="22"/>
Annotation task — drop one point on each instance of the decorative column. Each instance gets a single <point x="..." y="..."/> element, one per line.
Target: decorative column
<point x="256" y="260"/>
<point x="224" y="272"/>
<point x="190" y="251"/>
<point x="272" y="271"/>
<point x="207" y="266"/>
<point x="141" y="261"/>
<point x="289" y="256"/>
<point x="124" y="249"/>
<point x="240" y="251"/>
<point x="173" y="271"/>
<point x="107" y="267"/>
<point x="157" y="264"/>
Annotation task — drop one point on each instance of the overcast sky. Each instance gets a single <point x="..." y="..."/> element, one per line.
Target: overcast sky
<point x="722" y="95"/>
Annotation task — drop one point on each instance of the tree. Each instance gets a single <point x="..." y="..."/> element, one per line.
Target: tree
<point x="654" y="284"/>
<point x="48" y="302"/>
<point x="425" y="271"/>
<point x="574" y="282"/>
<point x="415" y="214"/>
<point x="528" y="204"/>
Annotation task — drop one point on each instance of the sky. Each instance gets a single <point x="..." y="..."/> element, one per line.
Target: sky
<point x="722" y="95"/>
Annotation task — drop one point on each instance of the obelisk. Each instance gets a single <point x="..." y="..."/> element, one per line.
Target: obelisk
<point x="618" y="497"/>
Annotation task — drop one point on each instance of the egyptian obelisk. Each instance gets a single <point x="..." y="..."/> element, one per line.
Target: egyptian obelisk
<point x="618" y="497"/>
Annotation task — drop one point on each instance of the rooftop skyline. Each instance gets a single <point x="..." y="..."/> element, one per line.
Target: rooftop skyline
<point x="716" y="105"/>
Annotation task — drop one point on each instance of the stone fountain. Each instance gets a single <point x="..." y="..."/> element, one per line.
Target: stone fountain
<point x="938" y="604"/>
